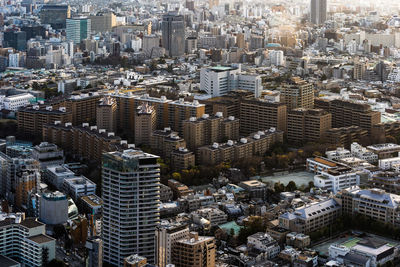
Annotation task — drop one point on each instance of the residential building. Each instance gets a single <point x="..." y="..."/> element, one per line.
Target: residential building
<point x="209" y="129"/>
<point x="347" y="113"/>
<point x="386" y="180"/>
<point x="15" y="102"/>
<point x="106" y="114"/>
<point x="167" y="234"/>
<point x="385" y="151"/>
<point x="163" y="142"/>
<point x="263" y="243"/>
<point x="220" y="80"/>
<point x="336" y="179"/>
<point x="133" y="230"/>
<point x="173" y="34"/>
<point x="56" y="174"/>
<point x="48" y="154"/>
<point x="297" y="93"/>
<point x="363" y="153"/>
<point x="389" y="163"/>
<point x="312" y="217"/>
<point x="79" y="186"/>
<point x="32" y="119"/>
<point x="214" y="215"/>
<point x="257" y="114"/>
<point x="179" y="189"/>
<point x="145" y="124"/>
<point x="307" y="125"/>
<point x="94" y="245"/>
<point x="256" y="189"/>
<point x="339" y="153"/>
<point x="195" y="251"/>
<point x="182" y="159"/>
<point x="345" y="136"/>
<point x="83" y="107"/>
<point x="24" y="240"/>
<point x="181" y="110"/>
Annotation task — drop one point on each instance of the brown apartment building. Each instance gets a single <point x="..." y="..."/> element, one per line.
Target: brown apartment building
<point x="83" y="107"/>
<point x="256" y="144"/>
<point x="209" y="129"/>
<point x="163" y="142"/>
<point x="195" y="251"/>
<point x="31" y="119"/>
<point x="145" y="124"/>
<point x="297" y="93"/>
<point x="307" y="125"/>
<point x="106" y="114"/>
<point x="257" y="114"/>
<point x="345" y="136"/>
<point x="85" y="142"/>
<point x="347" y="113"/>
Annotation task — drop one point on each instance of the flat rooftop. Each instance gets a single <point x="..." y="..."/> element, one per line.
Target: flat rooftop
<point x="40" y="239"/>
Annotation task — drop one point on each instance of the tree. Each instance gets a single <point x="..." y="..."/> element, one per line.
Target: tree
<point x="170" y="69"/>
<point x="153" y="65"/>
<point x="177" y="176"/>
<point x="279" y="187"/>
<point x="291" y="186"/>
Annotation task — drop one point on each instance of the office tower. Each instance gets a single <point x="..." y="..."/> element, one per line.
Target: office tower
<point x="297" y="93"/>
<point x="103" y="23"/>
<point x="55" y="15"/>
<point x="346" y="113"/>
<point x="106" y="114"/>
<point x="167" y="234"/>
<point x="195" y="251"/>
<point x="24" y="240"/>
<point x="173" y="34"/>
<point x="94" y="246"/>
<point x="15" y="39"/>
<point x="307" y="125"/>
<point x="258" y="114"/>
<point x="219" y="81"/>
<point x="145" y="124"/>
<point x="318" y="11"/>
<point x="131" y="196"/>
<point x="53" y="208"/>
<point x="30" y="120"/>
<point x="78" y="29"/>
<point x="150" y="42"/>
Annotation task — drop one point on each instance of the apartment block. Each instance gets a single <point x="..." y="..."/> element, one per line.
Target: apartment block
<point x="30" y="120"/>
<point x="84" y="141"/>
<point x="145" y="124"/>
<point x="106" y="114"/>
<point x="386" y="180"/>
<point x="345" y="136"/>
<point x="297" y="93"/>
<point x="209" y="129"/>
<point x="181" y="110"/>
<point x="167" y="234"/>
<point x="195" y="251"/>
<point x="258" y="114"/>
<point x="182" y="159"/>
<point x="312" y="217"/>
<point x="256" y="144"/>
<point x="163" y="142"/>
<point x="385" y="151"/>
<point x="346" y="113"/>
<point x="307" y="125"/>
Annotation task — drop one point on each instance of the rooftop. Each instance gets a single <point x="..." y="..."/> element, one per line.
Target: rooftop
<point x="40" y="239"/>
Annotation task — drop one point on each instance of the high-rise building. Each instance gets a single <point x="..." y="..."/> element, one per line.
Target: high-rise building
<point x="258" y="114"/>
<point x="181" y="110"/>
<point x="297" y="93"/>
<point x="318" y="11"/>
<point x="54" y="208"/>
<point x="173" y="34"/>
<point x="150" y="42"/>
<point x="15" y="39"/>
<point x="195" y="251"/>
<point x="94" y="246"/>
<point x="55" y="15"/>
<point x="78" y="29"/>
<point x="307" y="125"/>
<point x="106" y="114"/>
<point x="167" y="234"/>
<point x="103" y="22"/>
<point x="145" y="124"/>
<point x="131" y="197"/>
<point x="347" y="113"/>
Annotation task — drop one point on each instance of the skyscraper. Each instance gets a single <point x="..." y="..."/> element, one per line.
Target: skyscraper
<point x="131" y="197"/>
<point x="173" y="34"/>
<point x="78" y="29"/>
<point x="318" y="11"/>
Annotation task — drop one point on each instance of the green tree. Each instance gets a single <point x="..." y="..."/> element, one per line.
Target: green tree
<point x="291" y="186"/>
